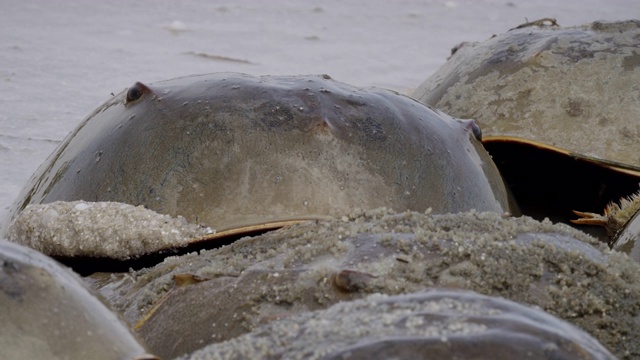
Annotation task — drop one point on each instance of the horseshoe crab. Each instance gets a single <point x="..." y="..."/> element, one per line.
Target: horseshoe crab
<point x="47" y="312"/>
<point x="224" y="293"/>
<point x="564" y="99"/>
<point x="434" y="324"/>
<point x="234" y="151"/>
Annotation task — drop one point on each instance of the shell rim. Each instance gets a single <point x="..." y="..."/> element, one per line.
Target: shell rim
<point x="607" y="164"/>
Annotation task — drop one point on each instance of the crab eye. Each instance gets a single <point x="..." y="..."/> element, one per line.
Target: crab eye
<point x="470" y="125"/>
<point x="477" y="132"/>
<point x="136" y="91"/>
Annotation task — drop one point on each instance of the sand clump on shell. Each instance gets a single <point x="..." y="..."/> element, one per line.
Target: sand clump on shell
<point x="100" y="229"/>
<point x="315" y="265"/>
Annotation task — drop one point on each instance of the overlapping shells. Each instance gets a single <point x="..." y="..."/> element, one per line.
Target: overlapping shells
<point x="446" y="271"/>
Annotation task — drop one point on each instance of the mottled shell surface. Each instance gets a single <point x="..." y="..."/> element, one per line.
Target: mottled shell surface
<point x="231" y="150"/>
<point x="438" y="324"/>
<point x="212" y="296"/>
<point x="47" y="312"/>
<point x="577" y="88"/>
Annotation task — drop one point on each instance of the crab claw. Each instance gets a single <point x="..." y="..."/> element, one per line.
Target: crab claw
<point x="616" y="215"/>
<point x="587" y="218"/>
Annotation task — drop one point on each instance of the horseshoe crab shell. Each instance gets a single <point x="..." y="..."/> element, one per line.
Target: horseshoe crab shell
<point x="234" y="151"/>
<point x="434" y="324"/>
<point x="628" y="240"/>
<point x="47" y="312"/>
<point x="558" y="108"/>
<point x="221" y="294"/>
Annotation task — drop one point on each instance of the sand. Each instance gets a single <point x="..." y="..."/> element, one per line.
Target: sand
<point x="100" y="230"/>
<point x="224" y="293"/>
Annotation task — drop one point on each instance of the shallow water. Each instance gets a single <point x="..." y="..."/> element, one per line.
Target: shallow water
<point x="61" y="59"/>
